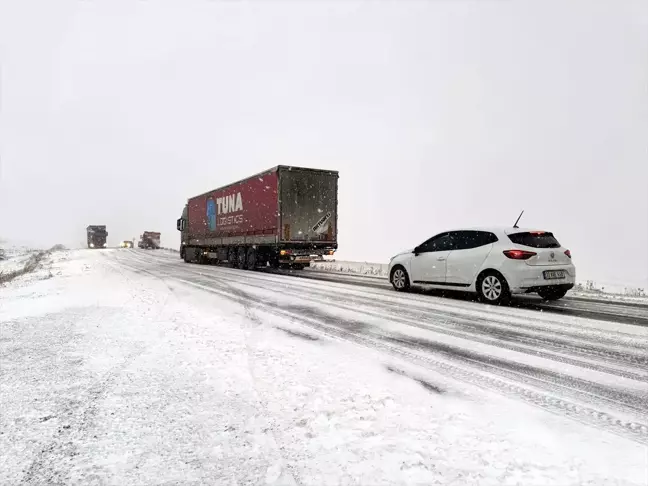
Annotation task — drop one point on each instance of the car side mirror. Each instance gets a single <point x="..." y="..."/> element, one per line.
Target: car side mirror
<point x="416" y="251"/>
<point x="180" y="224"/>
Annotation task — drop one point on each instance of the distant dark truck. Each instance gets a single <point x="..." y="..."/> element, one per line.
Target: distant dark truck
<point x="150" y="240"/>
<point x="283" y="217"/>
<point x="97" y="236"/>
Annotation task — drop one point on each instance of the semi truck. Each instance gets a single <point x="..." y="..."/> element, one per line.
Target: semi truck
<point x="150" y="240"/>
<point x="283" y="217"/>
<point x="97" y="236"/>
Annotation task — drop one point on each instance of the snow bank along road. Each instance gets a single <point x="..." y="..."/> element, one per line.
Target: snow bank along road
<point x="132" y="367"/>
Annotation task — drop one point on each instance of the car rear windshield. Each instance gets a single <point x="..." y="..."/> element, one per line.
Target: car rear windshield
<point x="535" y="240"/>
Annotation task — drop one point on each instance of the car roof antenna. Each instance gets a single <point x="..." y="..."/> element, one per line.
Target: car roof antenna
<point x="518" y="220"/>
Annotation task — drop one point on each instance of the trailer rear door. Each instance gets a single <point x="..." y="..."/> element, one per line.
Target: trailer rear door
<point x="308" y="201"/>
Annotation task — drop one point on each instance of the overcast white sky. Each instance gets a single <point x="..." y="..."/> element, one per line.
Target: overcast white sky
<point x="436" y="113"/>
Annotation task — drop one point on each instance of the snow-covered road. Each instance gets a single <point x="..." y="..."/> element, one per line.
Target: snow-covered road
<point x="631" y="312"/>
<point x="132" y="367"/>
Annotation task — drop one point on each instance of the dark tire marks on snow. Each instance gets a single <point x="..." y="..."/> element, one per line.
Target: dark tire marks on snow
<point x="606" y="310"/>
<point x="493" y="332"/>
<point x="298" y="334"/>
<point x="529" y="374"/>
<point x="424" y="383"/>
<point x="572" y="397"/>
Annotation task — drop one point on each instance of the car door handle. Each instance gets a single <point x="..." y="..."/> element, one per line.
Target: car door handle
<point x="440" y="258"/>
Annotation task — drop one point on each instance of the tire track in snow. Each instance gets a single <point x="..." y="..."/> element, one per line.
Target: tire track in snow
<point x="488" y="339"/>
<point x="491" y="332"/>
<point x="416" y="302"/>
<point x="635" y="314"/>
<point x="567" y="385"/>
<point x="621" y="312"/>
<point x="478" y="331"/>
<point x="352" y="332"/>
<point x="356" y="331"/>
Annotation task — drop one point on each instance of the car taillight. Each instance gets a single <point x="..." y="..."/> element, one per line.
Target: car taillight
<point x="519" y="254"/>
<point x="568" y="253"/>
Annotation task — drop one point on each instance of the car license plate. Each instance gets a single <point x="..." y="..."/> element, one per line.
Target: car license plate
<point x="554" y="274"/>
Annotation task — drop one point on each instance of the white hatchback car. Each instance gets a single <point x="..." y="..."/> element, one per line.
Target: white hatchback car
<point x="493" y="262"/>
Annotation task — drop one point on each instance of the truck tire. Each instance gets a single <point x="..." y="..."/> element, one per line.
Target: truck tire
<point x="242" y="258"/>
<point x="251" y="261"/>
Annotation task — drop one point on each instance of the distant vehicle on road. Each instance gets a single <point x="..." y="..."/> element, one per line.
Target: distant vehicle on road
<point x="126" y="244"/>
<point x="493" y="262"/>
<point x="284" y="216"/>
<point x="97" y="236"/>
<point x="150" y="240"/>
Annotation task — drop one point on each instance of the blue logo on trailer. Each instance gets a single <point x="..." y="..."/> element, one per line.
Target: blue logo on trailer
<point x="211" y="214"/>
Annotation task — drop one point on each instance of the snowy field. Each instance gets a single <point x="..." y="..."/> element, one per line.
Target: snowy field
<point x="129" y="367"/>
<point x="15" y="259"/>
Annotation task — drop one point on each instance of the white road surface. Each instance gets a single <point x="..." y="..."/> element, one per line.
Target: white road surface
<point x="130" y="367"/>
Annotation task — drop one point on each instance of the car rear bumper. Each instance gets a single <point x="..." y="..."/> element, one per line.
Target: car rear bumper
<point x="530" y="279"/>
<point x="565" y="287"/>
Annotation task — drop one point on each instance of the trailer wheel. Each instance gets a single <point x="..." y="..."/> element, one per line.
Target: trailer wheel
<point x="231" y="256"/>
<point x="251" y="259"/>
<point x="241" y="258"/>
<point x="274" y="262"/>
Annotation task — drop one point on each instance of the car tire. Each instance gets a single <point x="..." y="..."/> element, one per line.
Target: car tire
<point x="242" y="258"/>
<point x="399" y="279"/>
<point x="552" y="294"/>
<point x="492" y="288"/>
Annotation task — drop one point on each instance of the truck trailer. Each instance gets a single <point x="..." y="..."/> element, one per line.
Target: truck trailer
<point x="284" y="217"/>
<point x="97" y="236"/>
<point x="150" y="240"/>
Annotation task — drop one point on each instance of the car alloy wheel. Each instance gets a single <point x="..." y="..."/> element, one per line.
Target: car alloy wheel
<point x="399" y="279"/>
<point x="492" y="288"/>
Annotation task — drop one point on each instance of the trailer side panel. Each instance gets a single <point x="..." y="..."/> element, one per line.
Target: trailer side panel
<point x="242" y="212"/>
